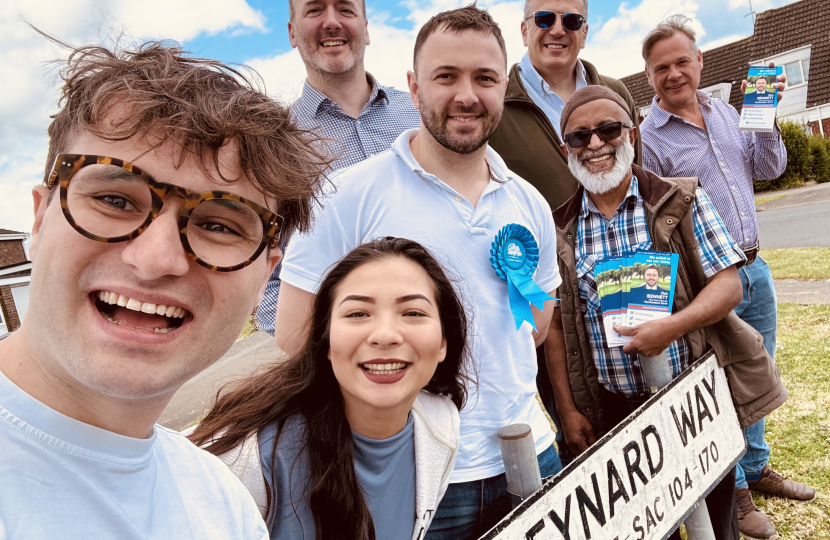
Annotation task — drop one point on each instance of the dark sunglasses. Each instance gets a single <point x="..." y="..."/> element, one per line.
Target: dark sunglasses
<point x="546" y="19"/>
<point x="605" y="132"/>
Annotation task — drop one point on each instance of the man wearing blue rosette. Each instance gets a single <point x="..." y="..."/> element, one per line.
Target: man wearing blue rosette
<point x="441" y="185"/>
<point x="622" y="208"/>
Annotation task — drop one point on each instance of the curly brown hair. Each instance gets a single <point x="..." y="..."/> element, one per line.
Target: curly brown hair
<point x="199" y="104"/>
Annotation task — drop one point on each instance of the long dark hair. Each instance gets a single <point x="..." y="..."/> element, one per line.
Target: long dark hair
<point x="306" y="385"/>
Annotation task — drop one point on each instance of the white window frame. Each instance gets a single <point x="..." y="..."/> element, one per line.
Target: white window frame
<point x="725" y="90"/>
<point x="644" y="111"/>
<point x="798" y="55"/>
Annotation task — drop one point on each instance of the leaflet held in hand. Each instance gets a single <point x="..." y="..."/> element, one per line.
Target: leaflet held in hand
<point x="760" y="99"/>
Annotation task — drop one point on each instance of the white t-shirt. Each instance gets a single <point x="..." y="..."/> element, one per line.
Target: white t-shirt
<point x="390" y="195"/>
<point x="60" y="478"/>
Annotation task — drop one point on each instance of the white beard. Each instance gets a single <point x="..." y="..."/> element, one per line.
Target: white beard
<point x="603" y="183"/>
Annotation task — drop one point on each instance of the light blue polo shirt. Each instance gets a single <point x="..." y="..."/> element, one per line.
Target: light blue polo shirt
<point x="391" y="195"/>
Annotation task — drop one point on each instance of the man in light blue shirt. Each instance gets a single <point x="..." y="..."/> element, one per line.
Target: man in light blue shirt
<point x="340" y="100"/>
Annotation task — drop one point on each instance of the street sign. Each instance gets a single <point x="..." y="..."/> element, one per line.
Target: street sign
<point x="641" y="480"/>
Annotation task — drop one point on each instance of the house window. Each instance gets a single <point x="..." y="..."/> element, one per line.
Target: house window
<point x="717" y="94"/>
<point x="793" y="72"/>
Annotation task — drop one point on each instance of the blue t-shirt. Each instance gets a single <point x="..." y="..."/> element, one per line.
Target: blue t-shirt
<point x="385" y="469"/>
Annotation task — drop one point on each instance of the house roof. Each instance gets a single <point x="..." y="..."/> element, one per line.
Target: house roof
<point x="806" y="22"/>
<point x="802" y="23"/>
<point x="7" y="231"/>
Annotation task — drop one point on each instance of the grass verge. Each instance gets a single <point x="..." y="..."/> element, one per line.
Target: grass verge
<point x="799" y="431"/>
<point x="248" y="329"/>
<point x="798" y="263"/>
<point x="768" y="199"/>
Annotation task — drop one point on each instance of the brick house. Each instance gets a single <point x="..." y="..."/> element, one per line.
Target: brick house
<point x="15" y="274"/>
<point x="793" y="36"/>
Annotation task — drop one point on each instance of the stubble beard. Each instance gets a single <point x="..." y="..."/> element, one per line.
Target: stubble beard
<point x="436" y="123"/>
<point x="331" y="68"/>
<point x="602" y="183"/>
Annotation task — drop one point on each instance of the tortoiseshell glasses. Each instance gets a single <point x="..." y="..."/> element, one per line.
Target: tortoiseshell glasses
<point x="111" y="200"/>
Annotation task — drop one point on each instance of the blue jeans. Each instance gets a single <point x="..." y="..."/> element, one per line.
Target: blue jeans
<point x="759" y="308"/>
<point x="470" y="509"/>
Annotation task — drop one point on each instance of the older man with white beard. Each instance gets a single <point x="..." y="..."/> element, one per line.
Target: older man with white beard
<point x="622" y="208"/>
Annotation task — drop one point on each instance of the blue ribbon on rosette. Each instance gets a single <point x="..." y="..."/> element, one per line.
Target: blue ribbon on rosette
<point x="514" y="256"/>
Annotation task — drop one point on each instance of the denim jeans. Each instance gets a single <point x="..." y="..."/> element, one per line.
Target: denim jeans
<point x="759" y="308"/>
<point x="470" y="509"/>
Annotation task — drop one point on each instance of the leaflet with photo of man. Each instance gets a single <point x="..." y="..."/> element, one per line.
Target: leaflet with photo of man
<point x="652" y="286"/>
<point x="760" y="99"/>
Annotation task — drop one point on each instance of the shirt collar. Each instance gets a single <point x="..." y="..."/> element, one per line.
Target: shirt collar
<point x="588" y="205"/>
<point x="662" y="117"/>
<point x="532" y="77"/>
<point x="312" y="99"/>
<point x="498" y="168"/>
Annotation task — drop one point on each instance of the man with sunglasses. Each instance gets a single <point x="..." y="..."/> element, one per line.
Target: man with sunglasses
<point x="528" y="137"/>
<point x="689" y="133"/>
<point x="621" y="208"/>
<point x="169" y="181"/>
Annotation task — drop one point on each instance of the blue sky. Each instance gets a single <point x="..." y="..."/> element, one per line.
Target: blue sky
<point x="254" y="32"/>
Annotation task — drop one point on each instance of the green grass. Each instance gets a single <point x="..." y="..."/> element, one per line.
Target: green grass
<point x="799" y="431"/>
<point x="769" y="199"/>
<point x="798" y="263"/>
<point x="248" y="329"/>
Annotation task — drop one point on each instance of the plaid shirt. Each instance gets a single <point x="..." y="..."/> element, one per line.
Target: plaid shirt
<point x="724" y="158"/>
<point x="387" y="114"/>
<point x="599" y="237"/>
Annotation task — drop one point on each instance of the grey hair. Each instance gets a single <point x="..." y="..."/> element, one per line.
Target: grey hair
<point x="528" y="2"/>
<point x="666" y="29"/>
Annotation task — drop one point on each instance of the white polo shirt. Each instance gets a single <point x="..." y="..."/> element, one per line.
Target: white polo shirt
<point x="390" y="194"/>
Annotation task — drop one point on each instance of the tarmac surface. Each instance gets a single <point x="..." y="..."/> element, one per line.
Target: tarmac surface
<point x="799" y="218"/>
<point x="190" y="402"/>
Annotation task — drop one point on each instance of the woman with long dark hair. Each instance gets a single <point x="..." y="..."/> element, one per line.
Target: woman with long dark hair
<point x="355" y="437"/>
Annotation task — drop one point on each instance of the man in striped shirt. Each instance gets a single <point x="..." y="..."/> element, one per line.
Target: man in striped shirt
<point x="689" y="133"/>
<point x="340" y="100"/>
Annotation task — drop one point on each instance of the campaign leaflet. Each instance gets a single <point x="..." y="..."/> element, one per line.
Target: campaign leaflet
<point x="652" y="286"/>
<point x="609" y="289"/>
<point x="760" y="99"/>
<point x="625" y="279"/>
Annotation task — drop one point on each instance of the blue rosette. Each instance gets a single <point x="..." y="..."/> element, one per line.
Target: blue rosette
<point x="514" y="256"/>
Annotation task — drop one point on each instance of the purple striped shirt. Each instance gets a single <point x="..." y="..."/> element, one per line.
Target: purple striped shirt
<point x="724" y="158"/>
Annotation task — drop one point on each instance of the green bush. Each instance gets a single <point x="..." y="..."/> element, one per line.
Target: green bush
<point x="819" y="158"/>
<point x="799" y="158"/>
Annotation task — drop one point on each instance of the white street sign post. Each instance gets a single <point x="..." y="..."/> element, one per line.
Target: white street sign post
<point x="642" y="479"/>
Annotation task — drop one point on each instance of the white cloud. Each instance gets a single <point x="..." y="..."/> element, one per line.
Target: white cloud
<point x="725" y="40"/>
<point x="614" y="47"/>
<point x="29" y="85"/>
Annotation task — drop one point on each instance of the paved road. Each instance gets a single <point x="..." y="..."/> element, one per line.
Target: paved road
<point x="795" y="226"/>
<point x="189" y="403"/>
<point x="799" y="218"/>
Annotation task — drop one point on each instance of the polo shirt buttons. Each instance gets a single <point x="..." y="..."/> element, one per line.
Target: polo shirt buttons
<point x="457" y="198"/>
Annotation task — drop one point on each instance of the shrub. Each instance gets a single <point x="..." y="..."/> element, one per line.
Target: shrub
<point x="819" y="158"/>
<point x="799" y="158"/>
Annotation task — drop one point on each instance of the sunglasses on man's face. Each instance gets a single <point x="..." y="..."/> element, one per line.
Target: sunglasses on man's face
<point x="605" y="132"/>
<point x="547" y="19"/>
